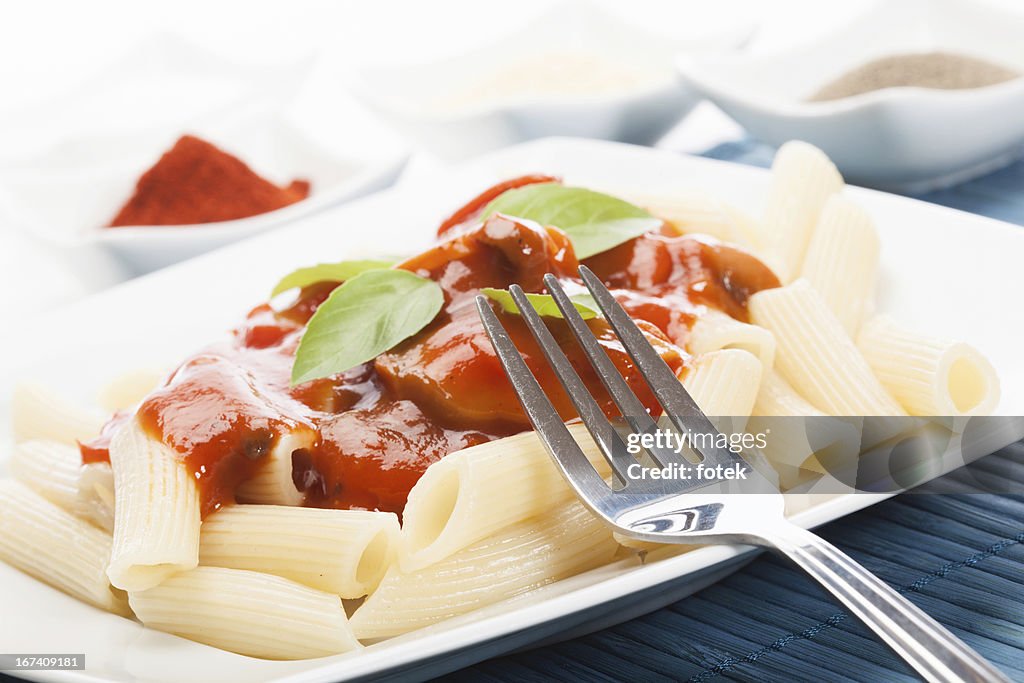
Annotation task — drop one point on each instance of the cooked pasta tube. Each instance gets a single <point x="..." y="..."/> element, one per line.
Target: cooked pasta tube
<point x="54" y="546"/>
<point x="803" y="179"/>
<point x="803" y="437"/>
<point x="815" y="443"/>
<point x="564" y="540"/>
<point x="876" y="430"/>
<point x="927" y="375"/>
<point x="38" y="413"/>
<point x="695" y="213"/>
<point x="49" y="468"/>
<point x="909" y="459"/>
<point x="96" y="494"/>
<point x="776" y="398"/>
<point x="156" y="516"/>
<point x="470" y="494"/>
<point x="816" y="355"/>
<point x="724" y="383"/>
<point x="54" y="470"/>
<point x="747" y="227"/>
<point x="715" y="330"/>
<point x="344" y="552"/>
<point x="842" y="261"/>
<point x="796" y="432"/>
<point x="273" y="483"/>
<point x="127" y="390"/>
<point x="253" y="614"/>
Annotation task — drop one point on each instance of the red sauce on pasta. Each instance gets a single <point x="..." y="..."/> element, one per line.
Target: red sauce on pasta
<point x="373" y="430"/>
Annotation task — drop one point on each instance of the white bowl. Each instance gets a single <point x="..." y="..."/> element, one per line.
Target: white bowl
<point x="82" y="154"/>
<point x="433" y="102"/>
<point x="907" y="139"/>
<point x="333" y="180"/>
<point x="91" y="194"/>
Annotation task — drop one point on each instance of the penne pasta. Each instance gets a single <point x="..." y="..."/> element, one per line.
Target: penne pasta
<point x="54" y="470"/>
<point x="156" y="516"/>
<point x="909" y="458"/>
<point x="96" y="494"/>
<point x="696" y="213"/>
<point x="54" y="546"/>
<point x="929" y="376"/>
<point x="50" y="468"/>
<point x="469" y="495"/>
<point x="273" y="483"/>
<point x="800" y="434"/>
<point x="715" y="330"/>
<point x="842" y="261"/>
<point x="776" y="398"/>
<point x="817" y="356"/>
<point x="127" y="390"/>
<point x="38" y="413"/>
<point x="803" y="179"/>
<point x="724" y="383"/>
<point x="344" y="552"/>
<point x="253" y="614"/>
<point x="566" y="540"/>
<point x="746" y="227"/>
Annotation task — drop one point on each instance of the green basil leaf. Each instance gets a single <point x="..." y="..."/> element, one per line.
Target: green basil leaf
<point x="363" y="318"/>
<point x="322" y="272"/>
<point x="544" y="304"/>
<point x="595" y="222"/>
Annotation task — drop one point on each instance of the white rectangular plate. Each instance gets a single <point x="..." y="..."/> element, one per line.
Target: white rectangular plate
<point x="944" y="271"/>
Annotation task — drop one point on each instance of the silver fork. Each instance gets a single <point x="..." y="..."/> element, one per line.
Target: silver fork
<point x="692" y="511"/>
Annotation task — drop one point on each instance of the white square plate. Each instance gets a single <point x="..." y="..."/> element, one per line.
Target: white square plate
<point x="942" y="270"/>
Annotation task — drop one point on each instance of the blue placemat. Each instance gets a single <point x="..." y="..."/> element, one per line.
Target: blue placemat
<point x="959" y="556"/>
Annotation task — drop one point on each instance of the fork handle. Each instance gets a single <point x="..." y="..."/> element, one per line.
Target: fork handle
<point x="933" y="652"/>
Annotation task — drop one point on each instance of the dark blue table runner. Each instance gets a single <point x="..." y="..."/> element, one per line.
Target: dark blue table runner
<point x="959" y="556"/>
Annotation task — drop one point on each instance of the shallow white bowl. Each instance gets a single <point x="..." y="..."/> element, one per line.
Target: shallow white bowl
<point x="157" y="319"/>
<point x="907" y="139"/>
<point x="418" y="98"/>
<point x="90" y="195"/>
<point x="80" y="155"/>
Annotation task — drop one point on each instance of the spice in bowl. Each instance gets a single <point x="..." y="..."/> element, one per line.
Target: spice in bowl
<point x="196" y="182"/>
<point x="935" y="70"/>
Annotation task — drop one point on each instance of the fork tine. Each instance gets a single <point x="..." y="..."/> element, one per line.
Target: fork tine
<point x="567" y="454"/>
<point x="677" y="402"/>
<point x="607" y="439"/>
<point x="629" y="405"/>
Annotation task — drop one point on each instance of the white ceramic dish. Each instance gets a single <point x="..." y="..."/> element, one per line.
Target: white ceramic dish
<point x="432" y="102"/>
<point x="911" y="139"/>
<point x="160" y="317"/>
<point x="334" y="180"/>
<point x="74" y="171"/>
<point x="91" y="197"/>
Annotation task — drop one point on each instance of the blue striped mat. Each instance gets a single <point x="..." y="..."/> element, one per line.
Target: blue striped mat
<point x="959" y="556"/>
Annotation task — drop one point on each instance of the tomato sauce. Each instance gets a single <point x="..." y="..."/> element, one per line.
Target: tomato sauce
<point x="376" y="428"/>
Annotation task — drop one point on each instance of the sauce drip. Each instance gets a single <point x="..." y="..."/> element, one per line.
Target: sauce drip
<point x="372" y="431"/>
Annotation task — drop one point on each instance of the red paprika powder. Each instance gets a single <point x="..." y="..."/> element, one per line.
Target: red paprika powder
<point x="195" y="182"/>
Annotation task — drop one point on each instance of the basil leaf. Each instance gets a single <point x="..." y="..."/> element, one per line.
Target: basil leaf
<point x="594" y="222"/>
<point x="363" y="318"/>
<point x="544" y="304"/>
<point x="337" y="272"/>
